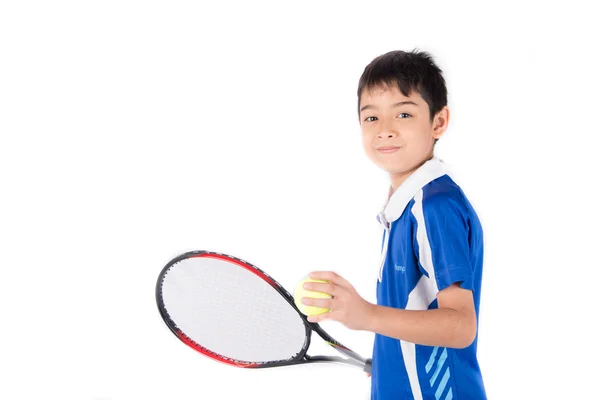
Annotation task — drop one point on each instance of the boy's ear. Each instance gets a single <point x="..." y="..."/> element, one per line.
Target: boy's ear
<point x="440" y="122"/>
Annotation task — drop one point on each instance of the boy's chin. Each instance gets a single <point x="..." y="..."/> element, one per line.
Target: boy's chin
<point x="404" y="168"/>
<point x="394" y="171"/>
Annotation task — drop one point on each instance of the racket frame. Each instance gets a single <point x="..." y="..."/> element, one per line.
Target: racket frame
<point x="302" y="357"/>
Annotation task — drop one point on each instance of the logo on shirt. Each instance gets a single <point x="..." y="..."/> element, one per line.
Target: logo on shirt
<point x="400" y="268"/>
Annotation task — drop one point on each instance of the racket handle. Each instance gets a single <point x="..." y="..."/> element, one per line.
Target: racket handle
<point x="368" y="366"/>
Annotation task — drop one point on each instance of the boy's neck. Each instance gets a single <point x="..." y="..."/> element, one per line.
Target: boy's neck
<point x="396" y="180"/>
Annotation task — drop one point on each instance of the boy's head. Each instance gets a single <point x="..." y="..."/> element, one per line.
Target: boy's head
<point x="402" y="107"/>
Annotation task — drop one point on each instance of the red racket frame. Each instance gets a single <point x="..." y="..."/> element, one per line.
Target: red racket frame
<point x="301" y="358"/>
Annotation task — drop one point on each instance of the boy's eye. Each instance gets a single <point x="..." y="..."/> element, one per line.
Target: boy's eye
<point x="370" y="119"/>
<point x="404" y="115"/>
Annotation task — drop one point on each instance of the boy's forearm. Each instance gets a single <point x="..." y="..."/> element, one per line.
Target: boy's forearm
<point x="442" y="327"/>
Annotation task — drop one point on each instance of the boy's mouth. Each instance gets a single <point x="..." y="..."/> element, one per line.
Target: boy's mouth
<point x="388" y="149"/>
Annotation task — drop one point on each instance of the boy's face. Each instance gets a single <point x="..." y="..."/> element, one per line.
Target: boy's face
<point x="398" y="135"/>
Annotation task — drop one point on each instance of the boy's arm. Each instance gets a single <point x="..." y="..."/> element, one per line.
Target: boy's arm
<point x="453" y="324"/>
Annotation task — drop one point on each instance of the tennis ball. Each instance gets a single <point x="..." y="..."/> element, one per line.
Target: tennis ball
<point x="300" y="292"/>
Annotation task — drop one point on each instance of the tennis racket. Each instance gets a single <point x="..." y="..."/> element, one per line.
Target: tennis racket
<point x="233" y="312"/>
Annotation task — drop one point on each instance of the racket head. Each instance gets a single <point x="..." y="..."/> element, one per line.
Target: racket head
<point x="231" y="311"/>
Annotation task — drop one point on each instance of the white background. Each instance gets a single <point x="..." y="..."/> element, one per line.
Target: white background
<point x="134" y="131"/>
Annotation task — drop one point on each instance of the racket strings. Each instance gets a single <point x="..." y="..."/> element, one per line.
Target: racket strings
<point x="231" y="311"/>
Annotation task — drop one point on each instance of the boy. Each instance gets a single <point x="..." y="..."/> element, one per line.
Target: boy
<point x="428" y="289"/>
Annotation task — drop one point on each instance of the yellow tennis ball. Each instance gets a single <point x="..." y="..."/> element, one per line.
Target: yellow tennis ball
<point x="300" y="292"/>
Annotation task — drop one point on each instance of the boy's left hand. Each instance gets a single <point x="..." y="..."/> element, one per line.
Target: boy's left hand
<point x="346" y="306"/>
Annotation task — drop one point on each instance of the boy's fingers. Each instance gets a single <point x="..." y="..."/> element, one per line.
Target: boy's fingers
<point x="328" y="288"/>
<point x="324" y="303"/>
<point x="324" y="275"/>
<point x="329" y="276"/>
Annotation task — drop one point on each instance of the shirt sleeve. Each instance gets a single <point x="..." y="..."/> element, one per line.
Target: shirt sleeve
<point x="442" y="241"/>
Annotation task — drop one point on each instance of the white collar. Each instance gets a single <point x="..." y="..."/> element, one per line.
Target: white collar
<point x="430" y="171"/>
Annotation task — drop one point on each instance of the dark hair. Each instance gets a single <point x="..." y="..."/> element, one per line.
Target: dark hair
<point x="409" y="71"/>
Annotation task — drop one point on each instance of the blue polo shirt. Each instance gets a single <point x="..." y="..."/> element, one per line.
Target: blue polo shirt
<point x="432" y="238"/>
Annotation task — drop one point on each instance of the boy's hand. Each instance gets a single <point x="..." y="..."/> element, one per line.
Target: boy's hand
<point x="346" y="306"/>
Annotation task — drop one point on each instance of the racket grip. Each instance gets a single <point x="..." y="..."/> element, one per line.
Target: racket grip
<point x="368" y="366"/>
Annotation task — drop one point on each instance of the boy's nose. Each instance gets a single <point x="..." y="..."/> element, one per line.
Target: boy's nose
<point x="387" y="134"/>
<point x="387" y="130"/>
